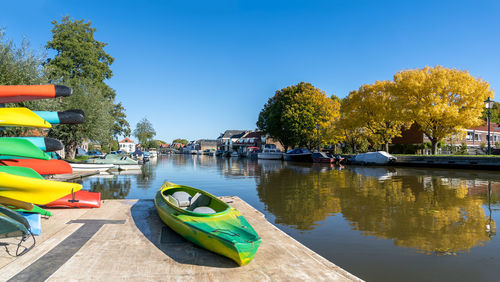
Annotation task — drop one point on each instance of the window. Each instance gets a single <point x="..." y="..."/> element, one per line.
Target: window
<point x="477" y="137"/>
<point x="470" y="136"/>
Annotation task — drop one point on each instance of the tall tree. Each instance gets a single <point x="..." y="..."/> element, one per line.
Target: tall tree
<point x="371" y="107"/>
<point x="181" y="141"/>
<point x="441" y="101"/>
<point x="299" y="115"/>
<point x="121" y="125"/>
<point x="144" y="132"/>
<point x="81" y="63"/>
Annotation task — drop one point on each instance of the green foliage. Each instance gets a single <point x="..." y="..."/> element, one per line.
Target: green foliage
<point x="121" y="125"/>
<point x="462" y="150"/>
<point x="81" y="63"/>
<point x="494" y="113"/>
<point x="19" y="65"/>
<point x="181" y="141"/>
<point x="482" y="145"/>
<point x="144" y="132"/>
<point x="292" y="114"/>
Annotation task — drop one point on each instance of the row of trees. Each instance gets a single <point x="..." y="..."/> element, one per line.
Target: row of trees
<point x="79" y="62"/>
<point x="440" y="101"/>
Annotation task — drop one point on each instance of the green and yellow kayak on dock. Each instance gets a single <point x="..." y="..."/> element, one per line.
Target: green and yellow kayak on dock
<point x="205" y="220"/>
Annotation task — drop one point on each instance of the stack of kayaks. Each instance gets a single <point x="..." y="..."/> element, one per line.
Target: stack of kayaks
<point x="24" y="159"/>
<point x="207" y="221"/>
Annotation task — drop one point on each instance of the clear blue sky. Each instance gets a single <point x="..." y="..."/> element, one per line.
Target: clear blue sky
<point x="197" y="68"/>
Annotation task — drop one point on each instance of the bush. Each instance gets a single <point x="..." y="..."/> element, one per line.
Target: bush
<point x="462" y="150"/>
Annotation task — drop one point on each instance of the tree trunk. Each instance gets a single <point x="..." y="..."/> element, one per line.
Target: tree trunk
<point x="434" y="143"/>
<point x="70" y="150"/>
<point x="386" y="145"/>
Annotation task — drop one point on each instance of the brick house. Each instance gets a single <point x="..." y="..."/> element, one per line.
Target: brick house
<point x="474" y="137"/>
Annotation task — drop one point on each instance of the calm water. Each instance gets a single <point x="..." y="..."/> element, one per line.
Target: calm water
<point x="381" y="224"/>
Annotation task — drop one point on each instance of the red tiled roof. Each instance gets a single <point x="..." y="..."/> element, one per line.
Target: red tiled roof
<point x="126" y="140"/>
<point x="494" y="127"/>
<point x="254" y="134"/>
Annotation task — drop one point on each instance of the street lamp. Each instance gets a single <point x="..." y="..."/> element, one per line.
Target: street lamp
<point x="488" y="104"/>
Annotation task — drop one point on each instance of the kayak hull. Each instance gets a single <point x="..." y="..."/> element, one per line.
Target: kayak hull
<point x="21" y="93"/>
<point x="33" y="190"/>
<point x="21" y="117"/>
<point x="226" y="232"/>
<point x="43" y="167"/>
<point x="80" y="199"/>
<point x="21" y="148"/>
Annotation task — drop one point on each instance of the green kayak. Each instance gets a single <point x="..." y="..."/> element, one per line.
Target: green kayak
<point x="21" y="148"/>
<point x="12" y="224"/>
<point x="207" y="221"/>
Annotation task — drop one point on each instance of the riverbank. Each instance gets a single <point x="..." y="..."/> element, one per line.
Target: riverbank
<point x="125" y="240"/>
<point x="466" y="162"/>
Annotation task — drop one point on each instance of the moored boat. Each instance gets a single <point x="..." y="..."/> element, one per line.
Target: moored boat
<point x="90" y="167"/>
<point x="299" y="155"/>
<point x="207" y="221"/>
<point x="270" y="154"/>
<point x="373" y="158"/>
<point x="322" y="157"/>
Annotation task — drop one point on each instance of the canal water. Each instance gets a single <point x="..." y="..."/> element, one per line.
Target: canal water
<point x="379" y="223"/>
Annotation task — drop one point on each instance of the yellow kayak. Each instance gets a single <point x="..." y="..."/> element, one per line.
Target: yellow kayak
<point x="21" y="117"/>
<point x="34" y="190"/>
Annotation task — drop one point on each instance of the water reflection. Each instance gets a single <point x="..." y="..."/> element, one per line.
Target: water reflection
<point x="114" y="188"/>
<point x="433" y="214"/>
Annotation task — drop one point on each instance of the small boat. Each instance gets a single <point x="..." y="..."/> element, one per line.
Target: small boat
<point x="373" y="158"/>
<point x="80" y="199"/>
<point x="209" y="152"/>
<point x="24" y="184"/>
<point x="21" y="148"/>
<point x="90" y="166"/>
<point x="233" y="154"/>
<point x="322" y="157"/>
<point x="119" y="162"/>
<point x="66" y="117"/>
<point x="43" y="167"/>
<point x="299" y="155"/>
<point x="21" y="93"/>
<point x="270" y="154"/>
<point x="21" y="117"/>
<point x="207" y="221"/>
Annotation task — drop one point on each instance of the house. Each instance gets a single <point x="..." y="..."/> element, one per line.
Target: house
<point x="474" y="138"/>
<point x="225" y="140"/>
<point x="250" y="139"/>
<point x="127" y="145"/>
<point x="205" y="144"/>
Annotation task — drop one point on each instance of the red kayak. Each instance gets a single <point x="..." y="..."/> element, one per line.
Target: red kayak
<point x="43" y="167"/>
<point x="21" y="93"/>
<point x="80" y="199"/>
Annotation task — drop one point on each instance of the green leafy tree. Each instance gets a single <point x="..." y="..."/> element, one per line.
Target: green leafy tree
<point x="299" y="115"/>
<point x="144" y="132"/>
<point x="121" y="125"/>
<point x="181" y="141"/>
<point x="81" y="63"/>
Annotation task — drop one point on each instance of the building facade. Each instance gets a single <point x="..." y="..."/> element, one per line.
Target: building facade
<point x="127" y="145"/>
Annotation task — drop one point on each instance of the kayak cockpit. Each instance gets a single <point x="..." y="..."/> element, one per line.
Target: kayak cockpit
<point x="193" y="201"/>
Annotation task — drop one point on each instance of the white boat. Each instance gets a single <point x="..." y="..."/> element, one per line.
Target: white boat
<point x="90" y="167"/>
<point x="128" y="166"/>
<point x="153" y="153"/>
<point x="270" y="154"/>
<point x="374" y="158"/>
<point x="234" y="154"/>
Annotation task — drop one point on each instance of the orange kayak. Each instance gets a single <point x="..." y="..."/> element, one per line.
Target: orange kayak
<point x="21" y="93"/>
<point x="79" y="199"/>
<point x="43" y="167"/>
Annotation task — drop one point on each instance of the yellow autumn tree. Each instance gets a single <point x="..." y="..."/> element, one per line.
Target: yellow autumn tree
<point x="372" y="108"/>
<point x="442" y="101"/>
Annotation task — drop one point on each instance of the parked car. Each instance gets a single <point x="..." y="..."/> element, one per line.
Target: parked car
<point x="94" y="154"/>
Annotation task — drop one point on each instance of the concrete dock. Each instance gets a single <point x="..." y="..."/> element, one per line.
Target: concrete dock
<point x="126" y="240"/>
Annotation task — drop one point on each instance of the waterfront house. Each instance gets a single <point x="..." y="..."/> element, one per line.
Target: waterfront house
<point x="225" y="140"/>
<point x="127" y="145"/>
<point x="475" y="137"/>
<point x="206" y="144"/>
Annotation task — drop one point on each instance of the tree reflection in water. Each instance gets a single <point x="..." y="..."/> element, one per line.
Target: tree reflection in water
<point x="433" y="214"/>
<point x="111" y="188"/>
